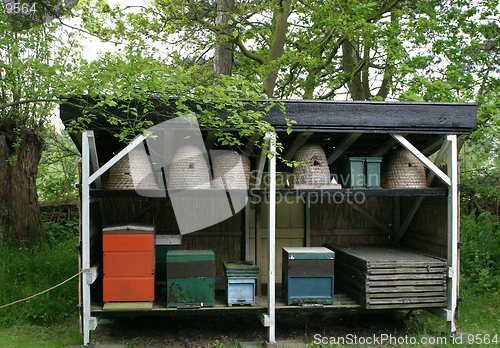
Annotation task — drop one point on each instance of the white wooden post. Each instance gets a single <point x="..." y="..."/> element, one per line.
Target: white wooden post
<point x="85" y="192"/>
<point x="272" y="239"/>
<point x="453" y="216"/>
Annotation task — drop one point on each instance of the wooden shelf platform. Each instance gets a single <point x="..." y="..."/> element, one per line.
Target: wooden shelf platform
<point x="341" y="301"/>
<point x="426" y="192"/>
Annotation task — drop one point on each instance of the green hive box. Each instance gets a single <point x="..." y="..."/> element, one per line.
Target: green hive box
<point x="308" y="275"/>
<point x="352" y="172"/>
<point x="373" y="171"/>
<point x="190" y="278"/>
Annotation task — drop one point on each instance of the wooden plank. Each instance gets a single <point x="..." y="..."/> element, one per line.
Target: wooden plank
<point x="407" y="270"/>
<point x="389" y="277"/>
<point x="401" y="289"/>
<point x="347" y="268"/>
<point x="342" y="147"/>
<point x="128" y="306"/>
<point x="337" y="116"/>
<point x="372" y="116"/>
<point x="381" y="255"/>
<point x="407" y="306"/>
<point x="433" y="145"/>
<point x="421" y="300"/>
<point x="373" y="283"/>
<point x="407" y="294"/>
<point x="388" y="145"/>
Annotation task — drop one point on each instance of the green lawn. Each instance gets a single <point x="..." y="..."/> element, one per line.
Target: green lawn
<point x="23" y="336"/>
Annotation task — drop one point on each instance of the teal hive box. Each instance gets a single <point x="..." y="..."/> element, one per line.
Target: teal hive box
<point x="308" y="275"/>
<point x="352" y="172"/>
<point x="190" y="278"/>
<point x="373" y="171"/>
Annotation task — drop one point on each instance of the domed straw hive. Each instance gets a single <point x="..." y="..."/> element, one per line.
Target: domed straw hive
<point x="231" y="171"/>
<point x="315" y="170"/>
<point x="132" y="172"/>
<point x="189" y="170"/>
<point x="404" y="170"/>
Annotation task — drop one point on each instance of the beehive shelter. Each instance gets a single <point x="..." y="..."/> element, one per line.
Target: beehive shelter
<point x="421" y="221"/>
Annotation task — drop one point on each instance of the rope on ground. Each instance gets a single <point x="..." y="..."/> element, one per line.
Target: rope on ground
<point x="41" y="292"/>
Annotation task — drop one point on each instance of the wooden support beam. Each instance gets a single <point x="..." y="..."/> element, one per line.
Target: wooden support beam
<point x="370" y="218"/>
<point x="94" y="161"/>
<point x="271" y="283"/>
<point x="250" y="145"/>
<point x="246" y="229"/>
<point x="343" y="146"/>
<point x="433" y="145"/>
<point x="138" y="140"/>
<point x="422" y="158"/>
<point x="396" y="215"/>
<point x="418" y="201"/>
<point x="307" y="222"/>
<point x="388" y="145"/>
<point x="260" y="165"/>
<point x="258" y="246"/>
<point x="453" y="220"/>
<point x="299" y="141"/>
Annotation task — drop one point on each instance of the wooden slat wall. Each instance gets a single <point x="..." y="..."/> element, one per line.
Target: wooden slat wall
<point x="289" y="232"/>
<point x="340" y="224"/>
<point x="428" y="231"/>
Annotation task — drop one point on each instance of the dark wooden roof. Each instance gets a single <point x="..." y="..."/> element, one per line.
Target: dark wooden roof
<point x="330" y="121"/>
<point x="354" y="116"/>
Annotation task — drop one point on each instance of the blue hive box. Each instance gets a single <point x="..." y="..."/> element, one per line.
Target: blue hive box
<point x="308" y="275"/>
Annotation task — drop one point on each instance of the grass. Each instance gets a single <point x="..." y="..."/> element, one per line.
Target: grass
<point x="26" y="271"/>
<point x="53" y="336"/>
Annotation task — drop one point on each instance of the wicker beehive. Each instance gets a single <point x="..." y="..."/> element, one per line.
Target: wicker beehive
<point x="315" y="171"/>
<point x="189" y="170"/>
<point x="132" y="172"/>
<point x="231" y="171"/>
<point x="404" y="170"/>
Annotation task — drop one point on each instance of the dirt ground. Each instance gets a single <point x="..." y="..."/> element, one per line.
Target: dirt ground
<point x="209" y="329"/>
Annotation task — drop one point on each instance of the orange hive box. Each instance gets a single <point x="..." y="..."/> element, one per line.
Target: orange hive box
<point x="128" y="264"/>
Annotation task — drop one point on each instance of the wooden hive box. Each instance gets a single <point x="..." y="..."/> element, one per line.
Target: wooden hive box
<point x="391" y="278"/>
<point x="308" y="275"/>
<point x="128" y="263"/>
<point x="190" y="278"/>
<point x="241" y="278"/>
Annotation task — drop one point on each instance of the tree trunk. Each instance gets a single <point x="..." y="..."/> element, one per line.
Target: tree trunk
<point x="20" y="222"/>
<point x="223" y="59"/>
<point x="280" y="29"/>
<point x="352" y="66"/>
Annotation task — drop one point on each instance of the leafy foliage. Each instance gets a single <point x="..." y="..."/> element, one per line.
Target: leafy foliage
<point x="480" y="252"/>
<point x="58" y="169"/>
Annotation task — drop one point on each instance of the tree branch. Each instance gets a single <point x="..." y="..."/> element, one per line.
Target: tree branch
<point x="247" y="53"/>
<point x="28" y="101"/>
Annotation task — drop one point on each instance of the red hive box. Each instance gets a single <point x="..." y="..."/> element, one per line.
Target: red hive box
<point x="128" y="263"/>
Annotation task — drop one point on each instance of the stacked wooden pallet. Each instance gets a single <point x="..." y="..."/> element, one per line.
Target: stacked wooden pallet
<point x="387" y="277"/>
